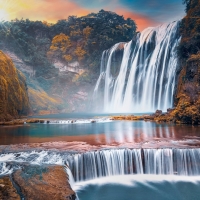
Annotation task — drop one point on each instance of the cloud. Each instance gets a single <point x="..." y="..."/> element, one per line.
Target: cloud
<point x="144" y="12"/>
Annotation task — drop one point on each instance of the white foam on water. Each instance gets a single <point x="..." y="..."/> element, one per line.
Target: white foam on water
<point x="80" y="121"/>
<point x="139" y="187"/>
<point x="33" y="158"/>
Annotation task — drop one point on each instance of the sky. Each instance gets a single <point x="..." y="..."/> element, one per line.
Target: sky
<point x="145" y="12"/>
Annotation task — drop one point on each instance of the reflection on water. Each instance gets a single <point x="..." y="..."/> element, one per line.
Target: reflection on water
<point x="83" y="115"/>
<point x="97" y="133"/>
<point x="137" y="132"/>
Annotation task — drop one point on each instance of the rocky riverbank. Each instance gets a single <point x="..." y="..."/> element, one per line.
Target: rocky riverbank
<point x="180" y="115"/>
<point x="22" y="121"/>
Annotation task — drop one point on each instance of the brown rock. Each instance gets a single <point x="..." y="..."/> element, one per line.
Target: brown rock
<point x="169" y="110"/>
<point x="13" y="122"/>
<point x="32" y="121"/>
<point x="44" y="182"/>
<point x="7" y="190"/>
<point x="158" y="112"/>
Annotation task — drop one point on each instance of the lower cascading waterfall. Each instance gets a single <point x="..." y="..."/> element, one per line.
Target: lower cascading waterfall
<point x="101" y="163"/>
<point x="97" y="164"/>
<point x="147" y="74"/>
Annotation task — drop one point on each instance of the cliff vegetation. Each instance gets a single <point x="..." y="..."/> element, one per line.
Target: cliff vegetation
<point x="61" y="61"/>
<point x="187" y="98"/>
<point x="74" y="39"/>
<point x="14" y="101"/>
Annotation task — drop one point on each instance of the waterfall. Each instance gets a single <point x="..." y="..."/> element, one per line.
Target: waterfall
<point x="102" y="163"/>
<point x="96" y="164"/>
<point x="147" y="75"/>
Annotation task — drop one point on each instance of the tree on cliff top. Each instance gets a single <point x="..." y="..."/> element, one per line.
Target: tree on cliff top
<point x="89" y="36"/>
<point x="190" y="30"/>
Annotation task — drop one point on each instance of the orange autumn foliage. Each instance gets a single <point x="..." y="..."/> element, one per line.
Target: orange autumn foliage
<point x="87" y="31"/>
<point x="79" y="52"/>
<point x="14" y="101"/>
<point x="59" y="46"/>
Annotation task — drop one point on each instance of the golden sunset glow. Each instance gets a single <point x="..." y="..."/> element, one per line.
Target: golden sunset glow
<point x="3" y="15"/>
<point x="54" y="10"/>
<point x="11" y="9"/>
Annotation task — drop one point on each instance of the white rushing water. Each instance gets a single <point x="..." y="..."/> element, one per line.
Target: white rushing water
<point x="11" y="161"/>
<point x="147" y="75"/>
<point x="97" y="164"/>
<point x="92" y="165"/>
<point x="76" y="121"/>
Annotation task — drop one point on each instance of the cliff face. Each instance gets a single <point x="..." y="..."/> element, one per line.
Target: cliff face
<point x="188" y="95"/>
<point x="14" y="101"/>
<point x="61" y="61"/>
<point x="187" y="98"/>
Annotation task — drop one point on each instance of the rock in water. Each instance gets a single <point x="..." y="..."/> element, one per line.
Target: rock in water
<point x="44" y="182"/>
<point x="14" y="101"/>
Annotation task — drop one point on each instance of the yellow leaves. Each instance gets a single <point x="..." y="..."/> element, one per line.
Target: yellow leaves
<point x="68" y="58"/>
<point x="194" y="57"/>
<point x="61" y="40"/>
<point x="62" y="47"/>
<point x="14" y="99"/>
<point x="79" y="52"/>
<point x="87" y="31"/>
<point x="42" y="102"/>
<point x="53" y="48"/>
<point x="75" y="33"/>
<point x="59" y="46"/>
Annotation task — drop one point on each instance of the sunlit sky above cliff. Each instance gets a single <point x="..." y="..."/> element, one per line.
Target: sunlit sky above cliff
<point x="144" y="12"/>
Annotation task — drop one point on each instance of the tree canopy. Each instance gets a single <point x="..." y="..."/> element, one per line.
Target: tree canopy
<point x="80" y="39"/>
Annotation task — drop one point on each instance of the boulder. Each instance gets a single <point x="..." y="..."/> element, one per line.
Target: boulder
<point x="44" y="182"/>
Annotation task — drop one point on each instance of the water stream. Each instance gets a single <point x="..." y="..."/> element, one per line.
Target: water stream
<point x="146" y="77"/>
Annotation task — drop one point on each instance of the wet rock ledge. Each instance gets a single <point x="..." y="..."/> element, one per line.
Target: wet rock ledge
<point x="34" y="182"/>
<point x="21" y="122"/>
<point x="176" y="115"/>
<point x="153" y="117"/>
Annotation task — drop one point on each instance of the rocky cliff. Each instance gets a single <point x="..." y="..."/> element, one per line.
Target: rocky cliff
<point x="14" y="101"/>
<point x="187" y="99"/>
